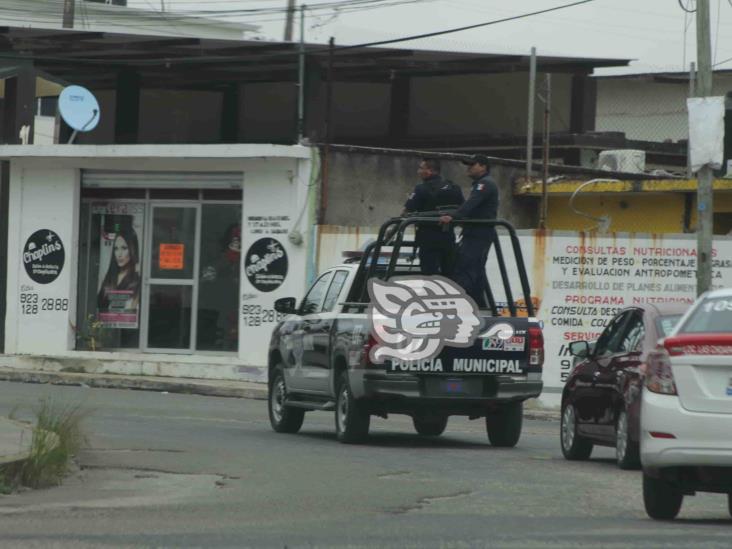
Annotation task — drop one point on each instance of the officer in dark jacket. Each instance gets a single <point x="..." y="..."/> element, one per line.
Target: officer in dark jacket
<point x="436" y="243"/>
<point x="476" y="240"/>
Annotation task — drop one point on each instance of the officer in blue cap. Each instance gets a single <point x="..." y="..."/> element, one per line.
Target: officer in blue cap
<point x="476" y="240"/>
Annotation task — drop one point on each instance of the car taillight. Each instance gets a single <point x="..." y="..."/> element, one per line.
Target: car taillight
<point x="659" y="377"/>
<point x="536" y="346"/>
<point x="699" y="344"/>
<point x="370" y="343"/>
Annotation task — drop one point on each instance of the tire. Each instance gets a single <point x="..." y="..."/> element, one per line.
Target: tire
<point x="504" y="427"/>
<point x="284" y="419"/>
<point x="574" y="447"/>
<point x="627" y="453"/>
<point x="429" y="426"/>
<point x="661" y="498"/>
<point x="351" y="420"/>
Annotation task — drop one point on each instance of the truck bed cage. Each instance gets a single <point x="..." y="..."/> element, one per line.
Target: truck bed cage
<point x="391" y="234"/>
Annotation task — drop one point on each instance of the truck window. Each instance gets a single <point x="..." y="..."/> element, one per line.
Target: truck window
<point x="313" y="300"/>
<point x="331" y="298"/>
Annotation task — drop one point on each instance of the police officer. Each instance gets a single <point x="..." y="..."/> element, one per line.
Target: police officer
<point x="436" y="244"/>
<point x="476" y="241"/>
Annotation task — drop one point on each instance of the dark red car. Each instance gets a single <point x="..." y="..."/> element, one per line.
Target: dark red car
<point x="601" y="398"/>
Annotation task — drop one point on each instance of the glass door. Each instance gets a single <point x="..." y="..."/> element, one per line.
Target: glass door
<point x="171" y="283"/>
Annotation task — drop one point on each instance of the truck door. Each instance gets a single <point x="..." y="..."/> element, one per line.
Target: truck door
<point x="301" y="342"/>
<point x="320" y="328"/>
<point x="589" y="400"/>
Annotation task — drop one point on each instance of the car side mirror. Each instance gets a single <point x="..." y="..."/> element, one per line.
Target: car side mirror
<point x="286" y="305"/>
<point x="580" y="349"/>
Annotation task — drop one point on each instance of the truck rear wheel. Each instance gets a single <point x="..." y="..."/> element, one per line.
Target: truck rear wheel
<point x="429" y="426"/>
<point x="284" y="419"/>
<point x="351" y="420"/>
<point x="504" y="426"/>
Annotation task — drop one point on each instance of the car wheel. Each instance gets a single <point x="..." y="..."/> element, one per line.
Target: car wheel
<point x="283" y="418"/>
<point x="626" y="451"/>
<point x="574" y="447"/>
<point x="351" y="420"/>
<point x="661" y="498"/>
<point x="504" y="426"/>
<point x="429" y="426"/>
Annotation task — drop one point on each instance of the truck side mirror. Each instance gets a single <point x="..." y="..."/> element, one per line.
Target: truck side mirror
<point x="580" y="349"/>
<point x="286" y="305"/>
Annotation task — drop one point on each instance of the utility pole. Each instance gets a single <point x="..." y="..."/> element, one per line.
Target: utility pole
<point x="545" y="143"/>
<point x="530" y="122"/>
<point x="301" y="78"/>
<point x="289" y="21"/>
<point x="704" y="194"/>
<point x="68" y="21"/>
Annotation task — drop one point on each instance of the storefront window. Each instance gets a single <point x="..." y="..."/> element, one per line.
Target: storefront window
<point x="218" y="288"/>
<point x="147" y="267"/>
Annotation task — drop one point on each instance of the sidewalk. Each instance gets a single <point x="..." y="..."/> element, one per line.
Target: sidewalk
<point x="205" y="387"/>
<point x="15" y="440"/>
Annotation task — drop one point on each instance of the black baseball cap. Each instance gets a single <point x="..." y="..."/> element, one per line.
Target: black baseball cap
<point x="476" y="159"/>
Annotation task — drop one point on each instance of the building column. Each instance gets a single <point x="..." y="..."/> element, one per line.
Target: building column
<point x="399" y="109"/>
<point x="127" y="109"/>
<point x="4" y="202"/>
<point x="314" y="123"/>
<point x="19" y="107"/>
<point x="230" y="114"/>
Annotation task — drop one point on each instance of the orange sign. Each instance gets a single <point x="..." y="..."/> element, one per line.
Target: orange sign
<point x="171" y="257"/>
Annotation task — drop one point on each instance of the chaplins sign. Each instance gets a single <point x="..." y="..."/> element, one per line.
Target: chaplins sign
<point x="266" y="264"/>
<point x="43" y="256"/>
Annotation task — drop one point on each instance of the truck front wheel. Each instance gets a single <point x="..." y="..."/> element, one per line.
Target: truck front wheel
<point x="283" y="418"/>
<point x="504" y="425"/>
<point x="351" y="420"/>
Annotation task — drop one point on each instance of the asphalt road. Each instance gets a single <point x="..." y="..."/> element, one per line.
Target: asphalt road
<point x="189" y="471"/>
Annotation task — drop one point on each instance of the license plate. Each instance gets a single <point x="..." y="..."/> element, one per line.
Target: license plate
<point x="453" y="386"/>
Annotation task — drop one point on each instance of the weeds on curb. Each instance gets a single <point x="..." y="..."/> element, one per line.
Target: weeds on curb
<point x="57" y="438"/>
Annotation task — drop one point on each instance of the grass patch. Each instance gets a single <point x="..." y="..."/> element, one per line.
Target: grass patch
<point x="57" y="438"/>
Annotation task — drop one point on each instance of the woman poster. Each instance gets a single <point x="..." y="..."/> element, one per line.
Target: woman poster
<point x="118" y="298"/>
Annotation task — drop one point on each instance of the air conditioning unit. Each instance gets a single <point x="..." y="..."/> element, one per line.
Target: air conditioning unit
<point x="628" y="161"/>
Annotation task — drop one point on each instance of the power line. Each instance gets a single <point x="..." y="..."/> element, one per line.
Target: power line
<point x="324" y="49"/>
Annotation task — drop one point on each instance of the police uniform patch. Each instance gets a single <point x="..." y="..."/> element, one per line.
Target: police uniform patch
<point x="480" y="187"/>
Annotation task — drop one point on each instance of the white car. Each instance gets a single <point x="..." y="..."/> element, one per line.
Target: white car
<point x="686" y="409"/>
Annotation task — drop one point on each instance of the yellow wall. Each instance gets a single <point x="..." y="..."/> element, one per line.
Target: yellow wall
<point x="648" y="213"/>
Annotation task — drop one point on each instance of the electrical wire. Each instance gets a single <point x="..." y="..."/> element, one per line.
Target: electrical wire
<point x="324" y="49"/>
<point x="687" y="10"/>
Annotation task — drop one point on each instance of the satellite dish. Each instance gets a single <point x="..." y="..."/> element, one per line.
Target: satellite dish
<point x="79" y="108"/>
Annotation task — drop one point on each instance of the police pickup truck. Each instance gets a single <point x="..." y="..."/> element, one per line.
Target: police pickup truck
<point x="320" y="354"/>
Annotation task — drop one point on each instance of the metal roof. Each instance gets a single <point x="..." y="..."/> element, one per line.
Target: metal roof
<point x="95" y="58"/>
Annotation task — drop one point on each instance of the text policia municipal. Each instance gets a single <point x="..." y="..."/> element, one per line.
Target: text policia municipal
<point x="475" y="365"/>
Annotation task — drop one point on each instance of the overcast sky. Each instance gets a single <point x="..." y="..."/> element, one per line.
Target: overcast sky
<point x="657" y="34"/>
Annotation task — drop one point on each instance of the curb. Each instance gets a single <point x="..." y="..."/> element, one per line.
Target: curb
<point x="219" y="388"/>
<point x="215" y="388"/>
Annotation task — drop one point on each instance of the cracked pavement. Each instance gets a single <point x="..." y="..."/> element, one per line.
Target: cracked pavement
<point x="170" y="470"/>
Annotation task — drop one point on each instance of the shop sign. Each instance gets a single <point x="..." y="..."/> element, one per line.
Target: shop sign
<point x="171" y="257"/>
<point x="43" y="256"/>
<point x="120" y="234"/>
<point x="266" y="264"/>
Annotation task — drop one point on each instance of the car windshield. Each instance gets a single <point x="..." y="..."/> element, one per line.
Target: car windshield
<point x="666" y="323"/>
<point x="711" y="315"/>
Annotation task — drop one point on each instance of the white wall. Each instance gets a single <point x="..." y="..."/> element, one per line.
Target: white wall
<point x="41" y="199"/>
<point x="275" y="203"/>
<point x="647" y="110"/>
<point x="44" y="194"/>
